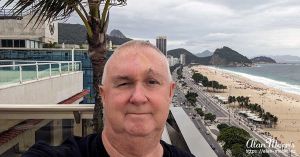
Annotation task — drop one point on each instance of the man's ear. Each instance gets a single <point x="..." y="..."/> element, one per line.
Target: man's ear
<point x="102" y="93"/>
<point x="172" y="89"/>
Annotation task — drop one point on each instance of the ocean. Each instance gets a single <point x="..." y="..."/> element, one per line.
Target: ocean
<point x="285" y="77"/>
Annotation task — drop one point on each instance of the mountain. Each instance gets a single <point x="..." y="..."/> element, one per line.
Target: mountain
<point x="262" y="60"/>
<point x="205" y="53"/>
<point x="76" y="34"/>
<point x="221" y="57"/>
<point x="286" y="59"/>
<point x="117" y="33"/>
<point x="71" y="33"/>
<point x="189" y="57"/>
<point x="227" y="57"/>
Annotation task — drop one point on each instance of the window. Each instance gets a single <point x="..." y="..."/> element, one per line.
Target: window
<point x="16" y="43"/>
<point x="22" y="43"/>
<point x="6" y="43"/>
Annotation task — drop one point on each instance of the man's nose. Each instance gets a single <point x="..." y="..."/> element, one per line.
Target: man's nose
<point x="138" y="96"/>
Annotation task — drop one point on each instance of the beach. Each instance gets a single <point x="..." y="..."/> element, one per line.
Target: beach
<point x="284" y="105"/>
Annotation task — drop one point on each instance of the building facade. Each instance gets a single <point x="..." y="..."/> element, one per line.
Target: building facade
<point x="18" y="33"/>
<point x="161" y="44"/>
<point x="182" y="59"/>
<point x="57" y="55"/>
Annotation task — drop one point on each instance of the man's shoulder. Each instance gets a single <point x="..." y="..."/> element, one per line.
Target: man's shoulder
<point x="172" y="151"/>
<point x="74" y="146"/>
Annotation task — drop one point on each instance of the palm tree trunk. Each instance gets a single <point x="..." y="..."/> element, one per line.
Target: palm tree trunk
<point x="97" y="50"/>
<point x="98" y="65"/>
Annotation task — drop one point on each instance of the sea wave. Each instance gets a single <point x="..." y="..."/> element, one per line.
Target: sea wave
<point x="283" y="86"/>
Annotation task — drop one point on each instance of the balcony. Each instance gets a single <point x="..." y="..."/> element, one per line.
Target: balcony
<point x="23" y="125"/>
<point x="44" y="82"/>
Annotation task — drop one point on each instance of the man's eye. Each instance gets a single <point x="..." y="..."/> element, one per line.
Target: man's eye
<point x="123" y="84"/>
<point x="153" y="82"/>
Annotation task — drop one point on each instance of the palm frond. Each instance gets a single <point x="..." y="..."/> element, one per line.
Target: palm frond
<point x="45" y="10"/>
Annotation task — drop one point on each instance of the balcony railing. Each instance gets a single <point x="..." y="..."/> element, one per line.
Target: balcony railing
<point x="22" y="125"/>
<point x="15" y="71"/>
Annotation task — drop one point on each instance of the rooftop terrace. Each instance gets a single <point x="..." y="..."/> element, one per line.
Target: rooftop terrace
<point x="14" y="72"/>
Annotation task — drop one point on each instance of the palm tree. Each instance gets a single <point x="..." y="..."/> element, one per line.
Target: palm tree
<point x="95" y="16"/>
<point x="275" y="120"/>
<point x="230" y="99"/>
<point x="233" y="100"/>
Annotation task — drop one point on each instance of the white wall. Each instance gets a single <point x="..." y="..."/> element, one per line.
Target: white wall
<point x="46" y="91"/>
<point x="16" y="29"/>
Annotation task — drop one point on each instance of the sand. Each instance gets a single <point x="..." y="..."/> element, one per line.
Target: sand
<point x="284" y="105"/>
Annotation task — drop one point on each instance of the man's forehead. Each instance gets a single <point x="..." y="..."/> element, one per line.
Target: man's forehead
<point x="126" y="75"/>
<point x="139" y="55"/>
<point x="133" y="60"/>
<point x="138" y="51"/>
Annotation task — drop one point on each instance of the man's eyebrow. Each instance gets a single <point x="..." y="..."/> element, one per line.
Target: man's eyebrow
<point x="152" y="72"/>
<point x="120" y="78"/>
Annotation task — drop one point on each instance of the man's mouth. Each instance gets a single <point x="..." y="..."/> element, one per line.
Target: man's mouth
<point x="137" y="113"/>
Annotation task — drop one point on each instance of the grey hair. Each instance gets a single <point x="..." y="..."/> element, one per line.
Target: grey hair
<point x="136" y="43"/>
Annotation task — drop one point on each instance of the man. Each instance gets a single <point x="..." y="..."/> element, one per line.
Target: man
<point x="136" y="90"/>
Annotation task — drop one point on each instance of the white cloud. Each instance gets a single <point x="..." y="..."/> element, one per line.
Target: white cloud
<point x="249" y="26"/>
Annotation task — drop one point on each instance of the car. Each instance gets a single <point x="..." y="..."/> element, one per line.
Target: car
<point x="207" y="132"/>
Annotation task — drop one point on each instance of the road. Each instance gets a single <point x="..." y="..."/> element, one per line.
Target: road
<point x="214" y="107"/>
<point x="208" y="137"/>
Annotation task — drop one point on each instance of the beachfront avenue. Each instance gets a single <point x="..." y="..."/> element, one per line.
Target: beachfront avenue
<point x="208" y="104"/>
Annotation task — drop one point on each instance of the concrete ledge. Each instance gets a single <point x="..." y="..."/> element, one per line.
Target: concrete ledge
<point x="45" y="91"/>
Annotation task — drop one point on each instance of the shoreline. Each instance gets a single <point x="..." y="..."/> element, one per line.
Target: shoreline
<point x="286" y="106"/>
<point x="269" y="82"/>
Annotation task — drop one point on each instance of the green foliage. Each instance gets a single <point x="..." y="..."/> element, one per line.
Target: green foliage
<point x="262" y="59"/>
<point x="210" y="116"/>
<point x="199" y="111"/>
<point x="197" y="77"/>
<point x="231" y="56"/>
<point x="50" y="45"/>
<point x="235" y="140"/>
<point x="191" y="97"/>
<point x="267" y="117"/>
<point x="233" y="135"/>
<point x="222" y="126"/>
<point x="238" y="151"/>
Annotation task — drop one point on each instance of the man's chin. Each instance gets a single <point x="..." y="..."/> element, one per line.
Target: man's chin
<point x="139" y="131"/>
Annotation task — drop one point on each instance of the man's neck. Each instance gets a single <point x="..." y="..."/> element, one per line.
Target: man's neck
<point x="129" y="146"/>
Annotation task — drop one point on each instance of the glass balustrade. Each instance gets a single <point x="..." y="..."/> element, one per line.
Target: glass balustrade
<point x="12" y="72"/>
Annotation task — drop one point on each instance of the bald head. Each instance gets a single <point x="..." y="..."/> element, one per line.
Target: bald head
<point x="138" y="50"/>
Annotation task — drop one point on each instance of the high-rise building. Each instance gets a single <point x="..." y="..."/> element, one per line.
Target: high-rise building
<point x="161" y="44"/>
<point x="182" y="59"/>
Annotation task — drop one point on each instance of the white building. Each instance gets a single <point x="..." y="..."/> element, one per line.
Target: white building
<point x="15" y="33"/>
<point x="182" y="59"/>
<point x="172" y="60"/>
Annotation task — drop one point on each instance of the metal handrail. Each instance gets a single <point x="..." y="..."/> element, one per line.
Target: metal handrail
<point x="34" y="61"/>
<point x="46" y="111"/>
<point x="17" y="65"/>
<point x="37" y="64"/>
<point x="46" y="107"/>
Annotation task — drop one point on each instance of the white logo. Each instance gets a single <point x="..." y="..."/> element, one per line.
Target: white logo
<point x="269" y="146"/>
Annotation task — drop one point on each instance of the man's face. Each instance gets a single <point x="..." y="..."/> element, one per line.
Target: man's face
<point x="136" y="92"/>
